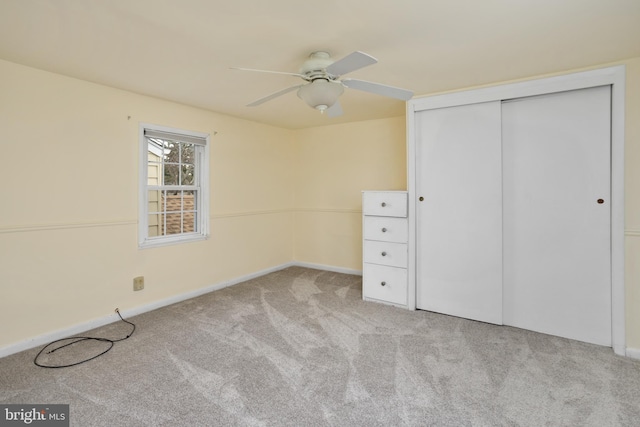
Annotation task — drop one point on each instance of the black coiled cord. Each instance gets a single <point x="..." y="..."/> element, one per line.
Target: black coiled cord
<point x="76" y="340"/>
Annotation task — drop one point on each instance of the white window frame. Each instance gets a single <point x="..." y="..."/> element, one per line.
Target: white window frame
<point x="202" y="140"/>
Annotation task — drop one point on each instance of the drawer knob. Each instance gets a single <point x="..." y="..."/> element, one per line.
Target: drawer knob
<point x="383" y="204"/>
<point x="384" y="230"/>
<point x="383" y="254"/>
<point x="383" y="283"/>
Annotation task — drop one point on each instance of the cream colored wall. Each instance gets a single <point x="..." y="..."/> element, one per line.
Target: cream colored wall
<point x="67" y="257"/>
<point x="68" y="183"/>
<point x="333" y="165"/>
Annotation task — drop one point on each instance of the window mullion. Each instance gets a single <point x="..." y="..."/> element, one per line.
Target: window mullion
<point x="173" y="187"/>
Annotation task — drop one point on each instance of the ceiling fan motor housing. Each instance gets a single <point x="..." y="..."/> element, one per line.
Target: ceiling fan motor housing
<point x="315" y="67"/>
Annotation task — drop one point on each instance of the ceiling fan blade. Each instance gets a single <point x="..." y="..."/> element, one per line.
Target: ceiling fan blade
<point x="379" y="89"/>
<point x="273" y="95"/>
<point x="353" y="61"/>
<point x="271" y="72"/>
<point x="335" y="110"/>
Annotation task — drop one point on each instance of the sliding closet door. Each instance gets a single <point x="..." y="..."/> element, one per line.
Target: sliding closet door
<point x="557" y="268"/>
<point x="459" y="212"/>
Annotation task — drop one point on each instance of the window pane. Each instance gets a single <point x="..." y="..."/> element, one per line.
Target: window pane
<point x="155" y="149"/>
<point x="188" y="200"/>
<point x="153" y="174"/>
<point x="171" y="174"/>
<point x="155" y="201"/>
<point x="154" y="159"/>
<point x="193" y="223"/>
<point x="155" y="225"/>
<point x="188" y="177"/>
<point x="189" y="205"/>
<point x="170" y="151"/>
<point x="174" y="223"/>
<point x="188" y="223"/>
<point x="188" y="153"/>
<point x="173" y="201"/>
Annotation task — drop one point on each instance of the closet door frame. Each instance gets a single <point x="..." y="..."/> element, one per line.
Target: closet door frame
<point x="613" y="76"/>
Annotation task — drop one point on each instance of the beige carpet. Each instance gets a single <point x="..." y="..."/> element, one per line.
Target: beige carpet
<point x="299" y="347"/>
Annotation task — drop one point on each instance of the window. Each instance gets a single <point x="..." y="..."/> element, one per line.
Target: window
<point x="174" y="181"/>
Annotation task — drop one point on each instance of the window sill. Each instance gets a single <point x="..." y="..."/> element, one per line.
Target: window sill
<point x="172" y="240"/>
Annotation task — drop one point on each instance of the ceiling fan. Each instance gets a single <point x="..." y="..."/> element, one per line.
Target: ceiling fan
<point x="323" y="85"/>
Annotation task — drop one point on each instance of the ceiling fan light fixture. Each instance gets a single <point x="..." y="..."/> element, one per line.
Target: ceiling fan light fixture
<point x="321" y="94"/>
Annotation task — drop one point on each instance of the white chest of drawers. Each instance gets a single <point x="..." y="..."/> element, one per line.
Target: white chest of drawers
<point x="384" y="247"/>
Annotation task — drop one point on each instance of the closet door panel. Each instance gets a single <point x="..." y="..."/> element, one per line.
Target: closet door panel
<point x="557" y="221"/>
<point x="459" y="220"/>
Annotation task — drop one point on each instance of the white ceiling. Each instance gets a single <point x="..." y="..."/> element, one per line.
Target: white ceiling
<point x="182" y="50"/>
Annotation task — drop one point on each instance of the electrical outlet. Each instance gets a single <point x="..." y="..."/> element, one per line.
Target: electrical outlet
<point x="138" y="283"/>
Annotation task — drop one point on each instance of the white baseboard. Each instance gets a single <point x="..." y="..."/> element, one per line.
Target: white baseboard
<point x="327" y="268"/>
<point x="192" y="294"/>
<point x="633" y="353"/>
<point x="113" y="317"/>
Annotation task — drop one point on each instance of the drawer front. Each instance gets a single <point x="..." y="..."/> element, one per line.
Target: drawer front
<point x="384" y="203"/>
<point x="384" y="283"/>
<point x="385" y="253"/>
<point x="385" y="229"/>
